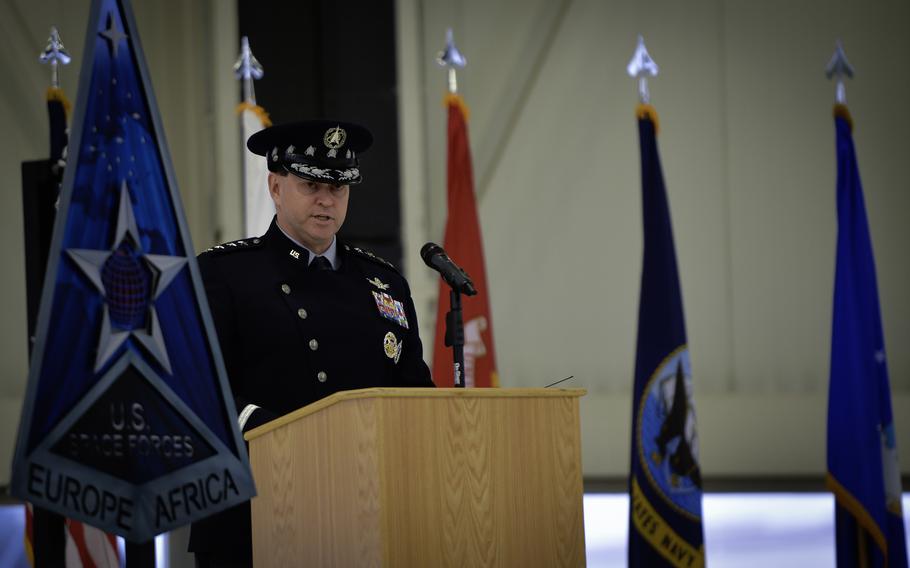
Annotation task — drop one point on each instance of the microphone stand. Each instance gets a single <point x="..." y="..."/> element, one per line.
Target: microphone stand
<point x="455" y="336"/>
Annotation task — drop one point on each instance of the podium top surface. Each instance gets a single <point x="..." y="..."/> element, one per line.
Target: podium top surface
<point x="380" y="392"/>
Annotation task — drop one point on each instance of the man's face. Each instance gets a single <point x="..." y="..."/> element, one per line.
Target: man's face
<point x="310" y="212"/>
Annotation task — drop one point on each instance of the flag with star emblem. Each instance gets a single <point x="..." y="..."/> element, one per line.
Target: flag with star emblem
<point x="665" y="527"/>
<point x="863" y="471"/>
<point x="464" y="244"/>
<point x="128" y="423"/>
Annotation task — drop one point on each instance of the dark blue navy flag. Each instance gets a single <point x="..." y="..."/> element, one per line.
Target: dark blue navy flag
<point x="665" y="488"/>
<point x="863" y="471"/>
<point x="128" y="423"/>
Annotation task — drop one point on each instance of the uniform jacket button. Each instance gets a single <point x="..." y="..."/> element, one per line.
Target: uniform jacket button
<point x="301" y="313"/>
<point x="314" y="345"/>
<point x="285" y="288"/>
<point x="321" y="376"/>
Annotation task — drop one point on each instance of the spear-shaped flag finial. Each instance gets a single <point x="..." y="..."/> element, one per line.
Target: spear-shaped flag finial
<point x="838" y="68"/>
<point x="247" y="69"/>
<point x="642" y="66"/>
<point x="451" y="58"/>
<point x="54" y="54"/>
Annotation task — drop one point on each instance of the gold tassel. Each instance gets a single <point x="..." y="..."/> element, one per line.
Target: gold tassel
<point x="843" y="112"/>
<point x="645" y="110"/>
<point x="456" y="100"/>
<point x="57" y="94"/>
<point x="257" y="110"/>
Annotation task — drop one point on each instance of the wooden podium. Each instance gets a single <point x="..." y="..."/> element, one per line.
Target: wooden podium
<point x="423" y="478"/>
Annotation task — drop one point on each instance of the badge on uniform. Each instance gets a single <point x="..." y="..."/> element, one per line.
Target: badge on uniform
<point x="378" y="283"/>
<point x="392" y="346"/>
<point x="390" y="308"/>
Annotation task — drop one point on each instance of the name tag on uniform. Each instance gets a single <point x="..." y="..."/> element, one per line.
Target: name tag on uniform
<point x="390" y="308"/>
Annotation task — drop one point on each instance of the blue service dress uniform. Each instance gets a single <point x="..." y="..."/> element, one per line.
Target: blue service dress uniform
<point x="291" y="335"/>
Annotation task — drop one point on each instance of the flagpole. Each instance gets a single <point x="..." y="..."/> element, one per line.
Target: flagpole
<point x="863" y="470"/>
<point x="258" y="208"/>
<point x="54" y="54"/>
<point x="247" y="69"/>
<point x="641" y="67"/>
<point x="451" y="59"/>
<point x="48" y="537"/>
<point x="665" y="483"/>
<point x="838" y="68"/>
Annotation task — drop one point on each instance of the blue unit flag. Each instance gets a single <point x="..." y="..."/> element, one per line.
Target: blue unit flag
<point x="128" y="423"/>
<point x="863" y="471"/>
<point x="665" y="487"/>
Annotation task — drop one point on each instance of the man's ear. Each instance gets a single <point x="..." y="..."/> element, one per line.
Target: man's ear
<point x="273" y="186"/>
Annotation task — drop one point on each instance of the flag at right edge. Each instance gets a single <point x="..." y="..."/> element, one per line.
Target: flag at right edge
<point x="863" y="470"/>
<point x="665" y="487"/>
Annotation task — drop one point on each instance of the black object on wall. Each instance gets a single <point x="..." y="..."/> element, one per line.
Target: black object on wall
<point x="326" y="59"/>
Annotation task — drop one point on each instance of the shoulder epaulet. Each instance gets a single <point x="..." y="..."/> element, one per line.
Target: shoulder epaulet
<point x="240" y="244"/>
<point x="370" y="256"/>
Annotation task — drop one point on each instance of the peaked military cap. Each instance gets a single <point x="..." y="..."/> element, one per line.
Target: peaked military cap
<point x="319" y="150"/>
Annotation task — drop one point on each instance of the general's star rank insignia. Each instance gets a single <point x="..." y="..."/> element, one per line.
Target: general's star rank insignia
<point x="390" y="308"/>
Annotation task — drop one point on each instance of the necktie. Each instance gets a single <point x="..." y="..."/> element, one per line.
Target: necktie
<point x="320" y="263"/>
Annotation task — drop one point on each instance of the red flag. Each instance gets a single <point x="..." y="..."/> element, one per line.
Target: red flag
<point x="464" y="245"/>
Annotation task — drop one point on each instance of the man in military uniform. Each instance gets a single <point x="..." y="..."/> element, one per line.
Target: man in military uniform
<point x="299" y="313"/>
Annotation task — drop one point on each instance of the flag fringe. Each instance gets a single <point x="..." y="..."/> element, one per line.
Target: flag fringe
<point x="846" y="500"/>
<point x="841" y="110"/>
<point x="29" y="552"/>
<point x="257" y="110"/>
<point x="453" y="99"/>
<point x="646" y="111"/>
<point x="57" y="94"/>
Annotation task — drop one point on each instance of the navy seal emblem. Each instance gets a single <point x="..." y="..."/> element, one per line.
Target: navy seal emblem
<point x="668" y="442"/>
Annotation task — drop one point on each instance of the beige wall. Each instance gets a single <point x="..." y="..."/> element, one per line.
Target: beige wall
<point x="747" y="143"/>
<point x="748" y="153"/>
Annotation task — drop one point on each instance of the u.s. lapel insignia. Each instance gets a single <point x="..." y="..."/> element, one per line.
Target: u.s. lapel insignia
<point x="375" y="281"/>
<point x="295" y="254"/>
<point x="391" y="309"/>
<point x="390" y="346"/>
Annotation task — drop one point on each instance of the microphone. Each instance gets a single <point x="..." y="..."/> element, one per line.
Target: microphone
<point x="436" y="258"/>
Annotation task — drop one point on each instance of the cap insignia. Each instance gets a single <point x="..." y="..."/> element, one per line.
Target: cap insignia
<point x="334" y="137"/>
